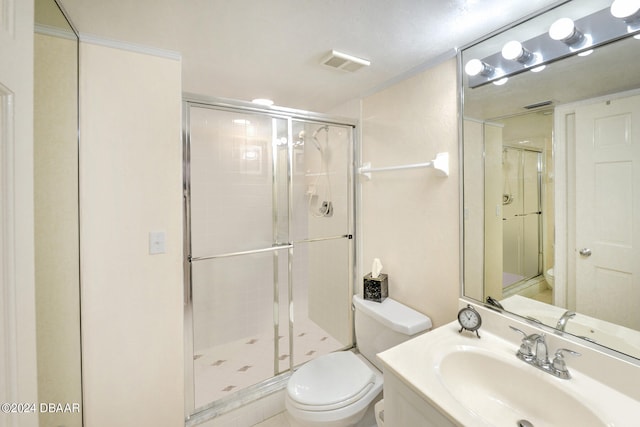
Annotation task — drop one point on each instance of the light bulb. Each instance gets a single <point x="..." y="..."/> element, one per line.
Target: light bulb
<point x="476" y="66"/>
<point x="586" y="52"/>
<point x="513" y="51"/>
<point x="501" y="81"/>
<point x="538" y="69"/>
<point x="564" y="30"/>
<point x="625" y="8"/>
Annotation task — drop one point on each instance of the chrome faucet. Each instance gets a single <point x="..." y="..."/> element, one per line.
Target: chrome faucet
<point x="542" y="354"/>
<point x="534" y="351"/>
<point x="562" y="322"/>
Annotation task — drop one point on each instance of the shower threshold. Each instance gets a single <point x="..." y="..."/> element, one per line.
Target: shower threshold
<point x="238" y="399"/>
<point x="526" y="287"/>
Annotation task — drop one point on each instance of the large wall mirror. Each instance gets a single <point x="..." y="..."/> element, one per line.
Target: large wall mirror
<point x="57" y="264"/>
<point x="552" y="173"/>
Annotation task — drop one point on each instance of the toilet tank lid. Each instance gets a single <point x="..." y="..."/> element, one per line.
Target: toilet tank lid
<point x="395" y="316"/>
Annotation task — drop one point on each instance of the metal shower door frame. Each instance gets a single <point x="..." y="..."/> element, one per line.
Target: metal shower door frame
<point x="189" y="101"/>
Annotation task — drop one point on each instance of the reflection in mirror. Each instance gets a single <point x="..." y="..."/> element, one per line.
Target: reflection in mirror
<point x="56" y="214"/>
<point x="550" y="186"/>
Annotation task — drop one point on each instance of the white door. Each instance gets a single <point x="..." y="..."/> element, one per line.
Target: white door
<point x="607" y="244"/>
<point x="18" y="376"/>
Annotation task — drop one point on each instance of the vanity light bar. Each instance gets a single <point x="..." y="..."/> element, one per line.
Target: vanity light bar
<point x="596" y="29"/>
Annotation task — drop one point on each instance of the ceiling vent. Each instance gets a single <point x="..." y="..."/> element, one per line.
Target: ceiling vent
<point x="538" y="105"/>
<point x="342" y="61"/>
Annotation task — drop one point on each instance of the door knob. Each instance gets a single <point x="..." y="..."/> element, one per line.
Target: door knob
<point x="585" y="252"/>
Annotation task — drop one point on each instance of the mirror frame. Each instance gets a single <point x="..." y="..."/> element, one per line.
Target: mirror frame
<point x="510" y="315"/>
<point x="52" y="22"/>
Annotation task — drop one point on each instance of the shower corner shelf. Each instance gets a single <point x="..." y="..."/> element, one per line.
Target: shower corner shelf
<point x="440" y="164"/>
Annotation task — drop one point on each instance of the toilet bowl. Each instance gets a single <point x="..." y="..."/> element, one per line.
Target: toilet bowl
<point x="334" y="390"/>
<point x="340" y="389"/>
<point x="548" y="276"/>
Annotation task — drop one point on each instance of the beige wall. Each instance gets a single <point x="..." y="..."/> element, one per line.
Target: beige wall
<point x="410" y="218"/>
<point x="130" y="175"/>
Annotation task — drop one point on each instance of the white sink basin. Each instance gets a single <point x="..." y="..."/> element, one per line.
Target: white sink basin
<point x="501" y="392"/>
<point x="480" y="382"/>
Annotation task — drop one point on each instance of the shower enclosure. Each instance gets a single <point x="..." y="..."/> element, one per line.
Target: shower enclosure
<point x="522" y="215"/>
<point x="269" y="268"/>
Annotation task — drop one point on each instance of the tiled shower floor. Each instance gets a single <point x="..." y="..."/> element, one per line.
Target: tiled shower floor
<point x="222" y="370"/>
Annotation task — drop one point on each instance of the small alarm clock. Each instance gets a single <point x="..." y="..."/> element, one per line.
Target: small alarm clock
<point x="469" y="319"/>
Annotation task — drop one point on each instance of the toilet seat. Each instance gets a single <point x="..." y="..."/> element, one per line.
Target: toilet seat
<point x="330" y="382"/>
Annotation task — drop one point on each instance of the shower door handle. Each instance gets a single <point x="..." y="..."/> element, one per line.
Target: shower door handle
<point x="585" y="252"/>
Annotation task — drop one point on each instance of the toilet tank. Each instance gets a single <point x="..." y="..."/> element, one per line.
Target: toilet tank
<point x="382" y="325"/>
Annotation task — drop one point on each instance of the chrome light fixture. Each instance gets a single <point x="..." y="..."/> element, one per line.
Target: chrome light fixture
<point x="564" y="38"/>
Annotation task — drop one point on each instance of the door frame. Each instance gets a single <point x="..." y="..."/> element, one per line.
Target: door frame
<point x="17" y="263"/>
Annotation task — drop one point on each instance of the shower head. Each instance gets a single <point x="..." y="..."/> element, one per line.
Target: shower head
<point x="315" y="134"/>
<point x="317" y="131"/>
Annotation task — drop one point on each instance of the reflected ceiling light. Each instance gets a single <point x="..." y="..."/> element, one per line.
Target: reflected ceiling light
<point x="263" y="101"/>
<point x="564" y="30"/>
<point x="476" y="67"/>
<point x="625" y="9"/>
<point x="586" y="52"/>
<point x="501" y="81"/>
<point x="538" y="69"/>
<point x="243" y="122"/>
<point x="514" y="51"/>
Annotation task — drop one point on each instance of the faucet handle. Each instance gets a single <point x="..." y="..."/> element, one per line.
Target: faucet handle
<point x="559" y="365"/>
<point x="518" y="330"/>
<point x="526" y="347"/>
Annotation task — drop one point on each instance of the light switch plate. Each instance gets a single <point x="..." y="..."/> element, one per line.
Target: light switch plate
<point x="157" y="242"/>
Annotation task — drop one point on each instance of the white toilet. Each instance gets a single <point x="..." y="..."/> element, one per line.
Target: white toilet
<point x="548" y="276"/>
<point x="338" y="389"/>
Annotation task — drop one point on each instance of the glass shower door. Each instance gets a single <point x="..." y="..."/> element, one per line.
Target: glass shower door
<point x="521" y="215"/>
<point x="269" y="208"/>
<point x="239" y="247"/>
<point x="321" y="236"/>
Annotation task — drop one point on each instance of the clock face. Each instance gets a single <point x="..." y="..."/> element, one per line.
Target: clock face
<point x="469" y="319"/>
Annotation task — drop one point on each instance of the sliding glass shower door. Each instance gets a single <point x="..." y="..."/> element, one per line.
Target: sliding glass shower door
<point x="269" y="273"/>
<point x="521" y="199"/>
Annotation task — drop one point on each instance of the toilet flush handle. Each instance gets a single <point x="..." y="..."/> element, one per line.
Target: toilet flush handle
<point x="585" y="252"/>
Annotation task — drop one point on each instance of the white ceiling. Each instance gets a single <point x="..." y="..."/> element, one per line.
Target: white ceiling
<point x="245" y="49"/>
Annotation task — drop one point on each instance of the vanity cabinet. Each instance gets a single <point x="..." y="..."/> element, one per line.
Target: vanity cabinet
<point x="405" y="407"/>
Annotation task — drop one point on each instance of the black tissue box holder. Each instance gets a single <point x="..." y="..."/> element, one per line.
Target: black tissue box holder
<point x="376" y="289"/>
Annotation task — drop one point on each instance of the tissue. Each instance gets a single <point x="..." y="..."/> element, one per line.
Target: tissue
<point x="376" y="268"/>
<point x="375" y="284"/>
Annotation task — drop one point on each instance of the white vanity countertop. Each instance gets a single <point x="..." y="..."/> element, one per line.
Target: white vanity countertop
<point x="418" y="364"/>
